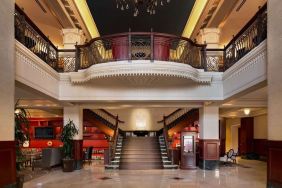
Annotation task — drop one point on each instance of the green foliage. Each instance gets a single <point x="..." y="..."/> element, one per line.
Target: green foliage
<point x="21" y="133"/>
<point x="69" y="131"/>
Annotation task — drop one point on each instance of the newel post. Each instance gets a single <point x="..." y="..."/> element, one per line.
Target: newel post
<point x="129" y="45"/>
<point x="152" y="45"/>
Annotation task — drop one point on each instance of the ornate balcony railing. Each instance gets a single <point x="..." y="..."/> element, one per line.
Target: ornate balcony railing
<point x="141" y="46"/>
<point x="27" y="33"/>
<point x="249" y="37"/>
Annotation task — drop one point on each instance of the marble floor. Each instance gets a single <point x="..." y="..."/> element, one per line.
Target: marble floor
<point x="247" y="174"/>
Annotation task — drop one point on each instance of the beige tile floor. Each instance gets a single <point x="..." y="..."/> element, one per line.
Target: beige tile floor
<point x="92" y="177"/>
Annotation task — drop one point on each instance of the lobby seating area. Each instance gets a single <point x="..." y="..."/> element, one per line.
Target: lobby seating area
<point x="50" y="157"/>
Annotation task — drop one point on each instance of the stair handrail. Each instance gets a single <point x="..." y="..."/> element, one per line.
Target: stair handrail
<point x="175" y="115"/>
<point x="115" y="139"/>
<point x="107" y="116"/>
<point x="111" y="115"/>
<point x="165" y="134"/>
<point x="102" y="119"/>
<point x="181" y="117"/>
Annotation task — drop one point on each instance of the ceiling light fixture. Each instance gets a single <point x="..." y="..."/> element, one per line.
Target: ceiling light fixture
<point x="149" y="5"/>
<point x="247" y="111"/>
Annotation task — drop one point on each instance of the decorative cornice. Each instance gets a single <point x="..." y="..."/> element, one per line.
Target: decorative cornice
<point x="30" y="58"/>
<point x="141" y="68"/>
<point x="257" y="55"/>
<point x="247" y="72"/>
<point x="27" y="63"/>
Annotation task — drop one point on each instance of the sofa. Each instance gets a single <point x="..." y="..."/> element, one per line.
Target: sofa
<point x="50" y="157"/>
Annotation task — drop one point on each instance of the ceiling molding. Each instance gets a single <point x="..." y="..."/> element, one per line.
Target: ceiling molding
<point x="204" y="18"/>
<point x="194" y="17"/>
<point x="59" y="12"/>
<point x="85" y="15"/>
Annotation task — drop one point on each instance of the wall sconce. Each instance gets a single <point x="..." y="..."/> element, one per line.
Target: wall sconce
<point x="140" y="122"/>
<point x="247" y="111"/>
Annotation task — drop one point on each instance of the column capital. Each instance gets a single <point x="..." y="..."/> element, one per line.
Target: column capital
<point x="209" y="36"/>
<point x="71" y="37"/>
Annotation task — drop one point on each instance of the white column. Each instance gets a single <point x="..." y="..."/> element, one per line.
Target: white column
<point x="71" y="37"/>
<point x="7" y="70"/>
<point x="209" y="122"/>
<point x="274" y="81"/>
<point x="209" y="36"/>
<point x="75" y="113"/>
<point x="274" y="68"/>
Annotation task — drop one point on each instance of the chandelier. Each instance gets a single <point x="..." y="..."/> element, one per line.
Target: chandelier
<point x="149" y="5"/>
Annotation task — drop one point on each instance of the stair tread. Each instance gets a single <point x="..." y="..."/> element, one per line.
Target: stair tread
<point x="141" y="153"/>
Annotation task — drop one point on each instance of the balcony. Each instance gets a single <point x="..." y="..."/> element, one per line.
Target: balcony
<point x="133" y="46"/>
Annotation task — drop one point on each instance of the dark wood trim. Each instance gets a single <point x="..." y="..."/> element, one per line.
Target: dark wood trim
<point x="111" y="115"/>
<point x="78" y="149"/>
<point x="209" y="149"/>
<point x="30" y="22"/>
<point x="247" y="25"/>
<point x="172" y="113"/>
<point x="7" y="163"/>
<point x="260" y="147"/>
<point x="66" y="50"/>
<point x="246" y="136"/>
<point x="78" y="153"/>
<point x="155" y="34"/>
<point x="215" y="49"/>
<point x="274" y="164"/>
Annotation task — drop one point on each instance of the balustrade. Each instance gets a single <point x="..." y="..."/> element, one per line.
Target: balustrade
<point x="251" y="35"/>
<point x="141" y="46"/>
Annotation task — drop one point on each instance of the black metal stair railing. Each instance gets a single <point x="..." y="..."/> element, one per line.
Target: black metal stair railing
<point x="101" y="119"/>
<point x="180" y="118"/>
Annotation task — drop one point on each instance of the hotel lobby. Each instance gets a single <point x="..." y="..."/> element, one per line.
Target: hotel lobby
<point x="140" y="93"/>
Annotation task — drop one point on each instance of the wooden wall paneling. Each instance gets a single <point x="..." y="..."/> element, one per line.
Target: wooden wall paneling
<point x="274" y="164"/>
<point x="7" y="163"/>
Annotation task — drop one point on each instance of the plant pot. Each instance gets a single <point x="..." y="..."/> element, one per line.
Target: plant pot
<point x="20" y="180"/>
<point x="68" y="165"/>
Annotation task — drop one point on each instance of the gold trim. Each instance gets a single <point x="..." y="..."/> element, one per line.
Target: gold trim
<point x="192" y="21"/>
<point x="87" y="18"/>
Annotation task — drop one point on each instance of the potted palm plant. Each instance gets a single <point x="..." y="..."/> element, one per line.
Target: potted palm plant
<point x="68" y="132"/>
<point x="21" y="136"/>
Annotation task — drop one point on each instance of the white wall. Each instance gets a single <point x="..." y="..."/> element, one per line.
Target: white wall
<point x="7" y="70"/>
<point x="260" y="127"/>
<point x="274" y="67"/>
<point x="140" y="118"/>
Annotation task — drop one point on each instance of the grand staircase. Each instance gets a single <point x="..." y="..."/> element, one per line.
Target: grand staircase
<point x="141" y="153"/>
